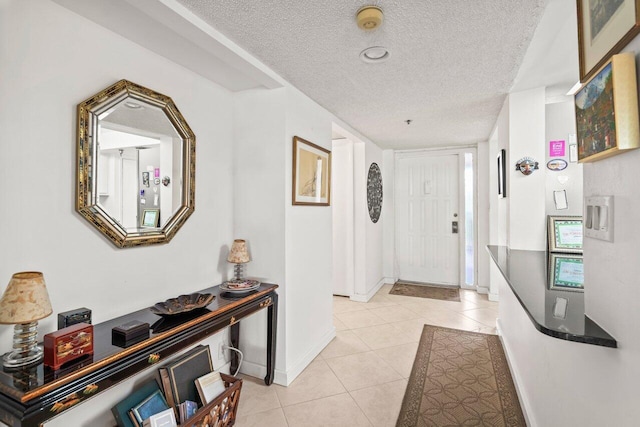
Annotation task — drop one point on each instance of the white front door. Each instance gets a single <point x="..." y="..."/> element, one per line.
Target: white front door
<point x="427" y="218"/>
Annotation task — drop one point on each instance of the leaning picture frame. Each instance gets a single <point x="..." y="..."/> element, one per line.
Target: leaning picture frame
<point x="311" y="174"/>
<point x="607" y="111"/>
<point x="565" y="234"/>
<point x="566" y="272"/>
<point x="604" y="28"/>
<point x="150" y="218"/>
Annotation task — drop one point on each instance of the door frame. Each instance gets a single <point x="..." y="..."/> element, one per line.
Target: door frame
<point x="436" y="152"/>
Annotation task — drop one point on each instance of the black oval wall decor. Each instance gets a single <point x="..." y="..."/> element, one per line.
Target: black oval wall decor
<point x="374" y="192"/>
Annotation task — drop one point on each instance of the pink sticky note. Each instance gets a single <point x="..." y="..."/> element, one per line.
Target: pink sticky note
<point x="556" y="148"/>
<point x="156" y="172"/>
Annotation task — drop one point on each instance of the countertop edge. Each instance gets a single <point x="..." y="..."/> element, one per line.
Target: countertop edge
<point x="586" y="339"/>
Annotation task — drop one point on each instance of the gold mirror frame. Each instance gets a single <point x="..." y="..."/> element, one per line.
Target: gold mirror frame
<point x="87" y="154"/>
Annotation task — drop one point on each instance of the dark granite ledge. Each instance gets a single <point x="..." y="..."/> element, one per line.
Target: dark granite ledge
<point x="526" y="274"/>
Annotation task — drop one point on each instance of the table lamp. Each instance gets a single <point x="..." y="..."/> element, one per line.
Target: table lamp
<point x="24" y="302"/>
<point x="238" y="255"/>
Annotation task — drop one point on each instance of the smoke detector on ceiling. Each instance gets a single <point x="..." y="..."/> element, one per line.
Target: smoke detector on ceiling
<point x="369" y="17"/>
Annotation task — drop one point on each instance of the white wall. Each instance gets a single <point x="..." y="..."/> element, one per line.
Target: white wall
<point x="388" y="212"/>
<point x="54" y="61"/>
<point x="342" y="215"/>
<point x="484" y="166"/>
<point x="258" y="205"/>
<point x="560" y="123"/>
<point x="308" y="245"/>
<point x="526" y="194"/>
<point x="565" y="383"/>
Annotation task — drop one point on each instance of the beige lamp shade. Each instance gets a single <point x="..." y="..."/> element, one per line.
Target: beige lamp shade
<point x="25" y="299"/>
<point x="238" y="253"/>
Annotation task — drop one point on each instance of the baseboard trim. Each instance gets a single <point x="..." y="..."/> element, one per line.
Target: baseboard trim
<point x="482" y="290"/>
<point x="370" y="294"/>
<point x="517" y="381"/>
<point x="493" y="297"/>
<point x="285" y="378"/>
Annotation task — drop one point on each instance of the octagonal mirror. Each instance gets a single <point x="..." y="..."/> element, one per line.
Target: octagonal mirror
<point x="136" y="165"/>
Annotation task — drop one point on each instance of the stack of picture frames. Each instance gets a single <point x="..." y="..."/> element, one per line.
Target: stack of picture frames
<point x="566" y="271"/>
<point x="607" y="103"/>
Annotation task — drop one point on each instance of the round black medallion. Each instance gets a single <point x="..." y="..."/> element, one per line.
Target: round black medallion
<point x="374" y="192"/>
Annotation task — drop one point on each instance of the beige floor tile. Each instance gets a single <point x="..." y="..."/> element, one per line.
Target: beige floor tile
<point x="362" y="370"/>
<point x="394" y="313"/>
<point x="384" y="290"/>
<point x="381" y="403"/>
<point x="381" y="336"/>
<point x="345" y="305"/>
<point x="400" y="358"/>
<point x="315" y="382"/>
<point x="412" y="327"/>
<point x="345" y="343"/>
<point x="334" y="411"/>
<point x="359" y="319"/>
<point x="270" y="418"/>
<point x="488" y="330"/>
<point x="453" y="320"/>
<point x="339" y="325"/>
<point x="399" y="299"/>
<point x="256" y="396"/>
<point x="483" y="315"/>
<point x="379" y="300"/>
<point x="422" y="309"/>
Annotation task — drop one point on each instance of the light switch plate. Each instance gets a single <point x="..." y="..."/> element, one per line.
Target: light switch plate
<point x="598" y="222"/>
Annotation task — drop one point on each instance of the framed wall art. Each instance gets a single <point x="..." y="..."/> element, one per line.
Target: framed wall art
<point x="604" y="28"/>
<point x="374" y="192"/>
<point x="566" y="272"/>
<point x="311" y="174"/>
<point x="607" y="110"/>
<point x="565" y="234"/>
<point x="502" y="173"/>
<point x="150" y="218"/>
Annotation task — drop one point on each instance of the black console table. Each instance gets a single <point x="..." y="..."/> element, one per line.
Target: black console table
<point x="526" y="275"/>
<point x="31" y="396"/>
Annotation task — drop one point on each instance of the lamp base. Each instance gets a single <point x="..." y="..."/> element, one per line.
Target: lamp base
<point x="26" y="350"/>
<point x="16" y="359"/>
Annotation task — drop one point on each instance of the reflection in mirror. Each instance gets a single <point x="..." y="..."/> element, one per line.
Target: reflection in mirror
<point x="136" y="159"/>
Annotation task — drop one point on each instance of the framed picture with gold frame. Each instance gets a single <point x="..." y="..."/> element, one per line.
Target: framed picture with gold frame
<point x="150" y="218"/>
<point x="311" y="174"/>
<point x="604" y="28"/>
<point x="607" y="110"/>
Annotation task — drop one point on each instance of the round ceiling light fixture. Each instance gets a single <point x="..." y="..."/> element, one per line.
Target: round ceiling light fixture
<point x="369" y="17"/>
<point x="374" y="54"/>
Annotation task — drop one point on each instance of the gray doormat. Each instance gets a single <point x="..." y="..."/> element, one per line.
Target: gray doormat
<point x="425" y="290"/>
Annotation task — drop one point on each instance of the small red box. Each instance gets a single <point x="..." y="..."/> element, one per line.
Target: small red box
<point x="68" y="344"/>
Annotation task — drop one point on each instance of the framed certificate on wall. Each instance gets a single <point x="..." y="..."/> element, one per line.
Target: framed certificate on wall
<point x="566" y="272"/>
<point x="565" y="234"/>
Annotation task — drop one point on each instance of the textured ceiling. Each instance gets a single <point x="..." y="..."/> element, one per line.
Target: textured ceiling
<point x="451" y="61"/>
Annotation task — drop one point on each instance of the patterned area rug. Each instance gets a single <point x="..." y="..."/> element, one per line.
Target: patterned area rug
<point x="460" y="378"/>
<point x="425" y="290"/>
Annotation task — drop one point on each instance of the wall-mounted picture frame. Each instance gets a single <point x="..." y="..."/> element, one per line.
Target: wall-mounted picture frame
<point x="150" y="218"/>
<point x="311" y="174"/>
<point x="502" y="173"/>
<point x="566" y="272"/>
<point x="565" y="234"/>
<point x="607" y="111"/>
<point x="604" y="28"/>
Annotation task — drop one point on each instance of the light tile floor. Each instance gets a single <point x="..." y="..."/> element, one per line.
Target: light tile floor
<point x="359" y="379"/>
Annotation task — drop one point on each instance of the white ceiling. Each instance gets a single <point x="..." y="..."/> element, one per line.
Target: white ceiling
<point x="452" y="62"/>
